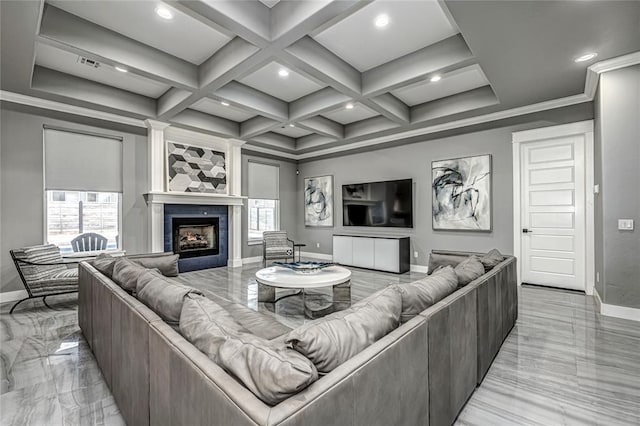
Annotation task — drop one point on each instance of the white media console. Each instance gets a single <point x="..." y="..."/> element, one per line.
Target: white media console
<point x="389" y="254"/>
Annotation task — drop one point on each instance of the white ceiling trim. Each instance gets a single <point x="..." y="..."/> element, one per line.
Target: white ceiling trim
<point x="71" y="109"/>
<point x="594" y="71"/>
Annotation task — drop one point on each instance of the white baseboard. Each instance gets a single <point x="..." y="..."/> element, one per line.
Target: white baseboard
<point x="616" y="311"/>
<point x="234" y="263"/>
<point x="321" y="256"/>
<point x="254" y="259"/>
<point x="419" y="268"/>
<point x="12" y="296"/>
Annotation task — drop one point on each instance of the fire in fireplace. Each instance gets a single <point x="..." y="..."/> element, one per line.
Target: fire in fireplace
<point x="194" y="237"/>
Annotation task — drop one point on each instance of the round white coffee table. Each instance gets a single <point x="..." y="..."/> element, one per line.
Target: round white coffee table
<point x="278" y="277"/>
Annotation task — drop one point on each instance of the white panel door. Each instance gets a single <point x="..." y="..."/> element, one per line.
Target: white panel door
<point x="553" y="212"/>
<point x="363" y="252"/>
<point x="343" y="250"/>
<point x="385" y="255"/>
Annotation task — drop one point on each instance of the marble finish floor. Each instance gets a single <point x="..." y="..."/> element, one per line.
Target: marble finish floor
<point x="563" y="363"/>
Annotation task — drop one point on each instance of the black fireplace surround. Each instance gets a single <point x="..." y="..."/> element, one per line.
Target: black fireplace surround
<point x="196" y="236"/>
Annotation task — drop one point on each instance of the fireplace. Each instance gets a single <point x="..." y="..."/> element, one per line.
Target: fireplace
<point x="194" y="237"/>
<point x="198" y="233"/>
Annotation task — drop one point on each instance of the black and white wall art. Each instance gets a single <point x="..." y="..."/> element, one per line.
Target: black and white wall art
<point x="196" y="169"/>
<point x="318" y="201"/>
<point x="461" y="191"/>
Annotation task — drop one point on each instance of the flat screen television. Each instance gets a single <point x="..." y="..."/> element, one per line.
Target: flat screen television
<point x="383" y="204"/>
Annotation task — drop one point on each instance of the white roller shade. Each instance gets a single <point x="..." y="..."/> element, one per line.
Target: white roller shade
<point x="264" y="181"/>
<point x="82" y="162"/>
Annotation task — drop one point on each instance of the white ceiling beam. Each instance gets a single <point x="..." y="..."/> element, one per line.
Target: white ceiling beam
<point x="451" y="52"/>
<point x="74" y="34"/>
<point x="312" y="141"/>
<point x="275" y="140"/>
<point x="316" y="103"/>
<point x="196" y="120"/>
<point x="368" y="126"/>
<point x="68" y="86"/>
<point x="248" y="19"/>
<point x="392" y="108"/>
<point x="316" y="60"/>
<point x="254" y="100"/>
<point x="170" y="99"/>
<point x="292" y="20"/>
<point x="323" y="126"/>
<point x="256" y="126"/>
<point x="462" y="102"/>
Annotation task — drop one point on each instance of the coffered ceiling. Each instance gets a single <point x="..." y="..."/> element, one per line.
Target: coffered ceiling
<point x="298" y="77"/>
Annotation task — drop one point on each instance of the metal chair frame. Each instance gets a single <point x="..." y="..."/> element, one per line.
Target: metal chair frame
<point x="264" y="252"/>
<point x="17" y="262"/>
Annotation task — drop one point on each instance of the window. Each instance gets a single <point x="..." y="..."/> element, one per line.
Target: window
<point x="263" y="209"/>
<point x="83" y="186"/>
<point x="71" y="213"/>
<point x="263" y="216"/>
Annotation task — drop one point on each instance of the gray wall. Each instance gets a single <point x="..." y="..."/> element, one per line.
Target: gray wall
<point x="288" y="200"/>
<point x="22" y="191"/>
<point x="414" y="161"/>
<point x="618" y="172"/>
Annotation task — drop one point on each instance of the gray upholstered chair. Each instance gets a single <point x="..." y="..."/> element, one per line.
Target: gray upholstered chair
<point x="276" y="245"/>
<point x="89" y="241"/>
<point x="43" y="272"/>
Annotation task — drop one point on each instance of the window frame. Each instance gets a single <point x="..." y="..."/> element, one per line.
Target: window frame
<point x="45" y="220"/>
<point x="257" y="241"/>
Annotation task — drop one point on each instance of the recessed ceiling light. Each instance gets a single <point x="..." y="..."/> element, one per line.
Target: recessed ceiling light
<point x="382" y="21"/>
<point x="435" y="78"/>
<point x="121" y="69"/>
<point x="223" y="103"/>
<point x="585" y="57"/>
<point x="292" y="125"/>
<point x="283" y="72"/>
<point x="164" y="12"/>
<point x="349" y="106"/>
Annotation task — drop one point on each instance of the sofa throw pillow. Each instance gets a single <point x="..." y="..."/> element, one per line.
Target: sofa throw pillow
<point x="491" y="259"/>
<point x="437" y="259"/>
<point x="419" y="295"/>
<point x="104" y="263"/>
<point x="126" y="273"/>
<point x="468" y="270"/>
<point x="162" y="295"/>
<point x="330" y="341"/>
<point x="206" y="324"/>
<point x="167" y="264"/>
<point x="271" y="371"/>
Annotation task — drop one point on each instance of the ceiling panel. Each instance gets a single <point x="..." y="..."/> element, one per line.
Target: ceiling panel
<point x="138" y="20"/>
<point x="458" y="81"/>
<point x="347" y="116"/>
<point x="213" y="107"/>
<point x="269" y="3"/>
<point x="288" y="89"/>
<point x="66" y="62"/>
<point x="292" y="132"/>
<point x="412" y="25"/>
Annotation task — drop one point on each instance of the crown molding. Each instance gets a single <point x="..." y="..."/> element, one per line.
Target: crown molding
<point x="18" y="98"/>
<point x="594" y="71"/>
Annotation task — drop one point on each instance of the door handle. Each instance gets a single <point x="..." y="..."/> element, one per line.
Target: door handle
<point x="526" y="231"/>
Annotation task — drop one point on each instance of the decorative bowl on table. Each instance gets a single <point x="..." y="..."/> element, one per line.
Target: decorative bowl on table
<point x="304" y="267"/>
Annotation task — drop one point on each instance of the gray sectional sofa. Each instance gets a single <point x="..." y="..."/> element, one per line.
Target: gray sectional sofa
<point x="423" y="372"/>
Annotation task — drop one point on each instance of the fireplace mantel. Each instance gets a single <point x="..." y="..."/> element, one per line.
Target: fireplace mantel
<point x="193" y="198"/>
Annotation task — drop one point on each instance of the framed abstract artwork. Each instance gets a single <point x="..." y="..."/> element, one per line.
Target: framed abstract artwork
<point x="318" y="201"/>
<point x="196" y="169"/>
<point x="461" y="194"/>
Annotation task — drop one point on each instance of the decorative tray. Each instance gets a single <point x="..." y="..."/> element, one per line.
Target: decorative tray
<point x="304" y="267"/>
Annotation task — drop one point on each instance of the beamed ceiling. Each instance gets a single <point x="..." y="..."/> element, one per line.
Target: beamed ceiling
<point x="215" y="67"/>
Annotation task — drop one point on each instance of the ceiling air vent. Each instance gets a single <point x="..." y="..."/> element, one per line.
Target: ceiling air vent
<point x="88" y="62"/>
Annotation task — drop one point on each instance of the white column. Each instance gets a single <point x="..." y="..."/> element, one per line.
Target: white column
<point x="234" y="166"/>
<point x="156" y="176"/>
